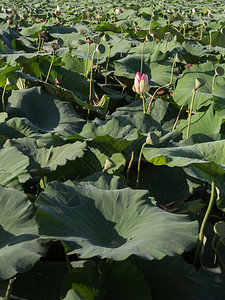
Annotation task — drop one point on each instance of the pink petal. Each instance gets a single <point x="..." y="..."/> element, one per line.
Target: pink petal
<point x="137" y="81"/>
<point x="145" y="78"/>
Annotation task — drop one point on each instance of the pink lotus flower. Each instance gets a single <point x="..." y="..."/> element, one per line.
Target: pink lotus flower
<point x="193" y="10"/>
<point x="118" y="11"/>
<point x="141" y="83"/>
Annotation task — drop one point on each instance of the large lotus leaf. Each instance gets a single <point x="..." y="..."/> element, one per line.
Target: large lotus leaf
<point x="83" y="52"/>
<point x="206" y="284"/>
<point x="13" y="166"/>
<point x="157" y="66"/>
<point x="113" y="280"/>
<point x="76" y="64"/>
<point x="196" y="53"/>
<point x="93" y="160"/>
<point x="168" y="186"/>
<point x="104" y="181"/>
<point x="18" y="128"/>
<point x="33" y="30"/>
<point x="20" y="244"/>
<point x="169" y="273"/>
<point x="202" y="122"/>
<point x="41" y="282"/>
<point x="5" y="72"/>
<point x="44" y="157"/>
<point x="208" y="158"/>
<point x="111" y="224"/>
<point x="204" y="94"/>
<point x="45" y="111"/>
<point x="217" y="39"/>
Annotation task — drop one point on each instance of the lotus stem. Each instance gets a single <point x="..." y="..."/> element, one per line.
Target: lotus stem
<point x="142" y="56"/>
<point x="165" y="47"/>
<point x="97" y="62"/>
<point x="143" y="101"/>
<point x="201" y="233"/>
<point x="90" y="88"/>
<point x="107" y="64"/>
<point x="178" y="116"/>
<point x="49" y="70"/>
<point x="9" y="291"/>
<point x="129" y="166"/>
<point x="139" y="166"/>
<point x="210" y="40"/>
<point x="3" y="98"/>
<point x="189" y="115"/>
<point x="86" y="61"/>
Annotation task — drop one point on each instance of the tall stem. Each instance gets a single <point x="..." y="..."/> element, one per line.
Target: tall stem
<point x="178" y="116"/>
<point x="107" y="64"/>
<point x="142" y="56"/>
<point x="86" y="61"/>
<point x="189" y="115"/>
<point x="143" y="101"/>
<point x="201" y="233"/>
<point x="210" y="40"/>
<point x="49" y="70"/>
<point x="3" y="98"/>
<point x="139" y="166"/>
<point x="90" y="88"/>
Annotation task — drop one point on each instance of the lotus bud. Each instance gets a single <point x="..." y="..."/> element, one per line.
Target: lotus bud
<point x="141" y="85"/>
<point x="118" y="11"/>
<point x="193" y="10"/>
<point x="57" y="8"/>
<point x="108" y="164"/>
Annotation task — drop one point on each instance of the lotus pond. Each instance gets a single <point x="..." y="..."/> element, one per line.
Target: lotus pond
<point x="112" y="150"/>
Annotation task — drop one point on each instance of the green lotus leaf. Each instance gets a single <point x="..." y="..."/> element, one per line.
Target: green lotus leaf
<point x="20" y="244"/>
<point x="206" y="284"/>
<point x="18" y="128"/>
<point x="111" y="224"/>
<point x="47" y="158"/>
<point x="41" y="282"/>
<point x="157" y="66"/>
<point x="114" y="280"/>
<point x="45" y="111"/>
<point x="203" y="95"/>
<point x="208" y="158"/>
<point x="158" y="273"/>
<point x="205" y="122"/>
<point x="13" y="166"/>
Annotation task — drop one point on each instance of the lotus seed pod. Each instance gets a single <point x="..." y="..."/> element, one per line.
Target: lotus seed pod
<point x="124" y="26"/>
<point x="106" y="37"/>
<point x="222" y="30"/>
<point x="100" y="48"/>
<point x="219" y="229"/>
<point x="152" y="139"/>
<point x="96" y="39"/>
<point x="168" y="37"/>
<point x="219" y="71"/>
<point x="83" y="31"/>
<point x="149" y="37"/>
